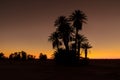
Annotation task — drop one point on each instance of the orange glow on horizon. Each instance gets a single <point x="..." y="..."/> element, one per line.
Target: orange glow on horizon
<point x="92" y="54"/>
<point x="34" y="53"/>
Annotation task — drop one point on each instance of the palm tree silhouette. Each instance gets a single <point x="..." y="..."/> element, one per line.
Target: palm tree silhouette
<point x="63" y="27"/>
<point x="81" y="39"/>
<point x="67" y="38"/>
<point x="78" y="18"/>
<point x="54" y="38"/>
<point x="85" y="47"/>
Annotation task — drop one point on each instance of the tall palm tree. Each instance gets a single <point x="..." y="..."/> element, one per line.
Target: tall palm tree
<point x="54" y="38"/>
<point x="63" y="27"/>
<point x="85" y="47"/>
<point x="81" y="39"/>
<point x="78" y="18"/>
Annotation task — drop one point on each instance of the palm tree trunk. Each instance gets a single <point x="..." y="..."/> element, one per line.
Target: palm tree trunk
<point x="79" y="44"/>
<point x="76" y="42"/>
<point x="57" y="47"/>
<point x="66" y="45"/>
<point x="85" y="53"/>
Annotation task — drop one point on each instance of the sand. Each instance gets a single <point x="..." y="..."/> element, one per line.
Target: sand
<point x="96" y="70"/>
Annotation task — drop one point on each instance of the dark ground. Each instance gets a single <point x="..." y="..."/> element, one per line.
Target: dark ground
<point x="31" y="70"/>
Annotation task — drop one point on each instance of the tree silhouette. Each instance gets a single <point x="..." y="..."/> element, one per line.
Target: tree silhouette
<point x="30" y="57"/>
<point x="54" y="38"/>
<point x="81" y="39"/>
<point x="67" y="38"/>
<point x="23" y="55"/>
<point x="18" y="56"/>
<point x="11" y="56"/>
<point x="85" y="47"/>
<point x="63" y="28"/>
<point x="78" y="18"/>
<point x="43" y="57"/>
<point x="2" y="56"/>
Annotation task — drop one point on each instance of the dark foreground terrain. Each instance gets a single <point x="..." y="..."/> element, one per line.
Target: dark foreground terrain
<point x="33" y="70"/>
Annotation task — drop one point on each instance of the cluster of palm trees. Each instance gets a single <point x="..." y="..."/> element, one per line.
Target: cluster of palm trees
<point x="67" y="35"/>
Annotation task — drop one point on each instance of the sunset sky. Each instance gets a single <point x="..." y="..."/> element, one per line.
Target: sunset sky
<point x="26" y="24"/>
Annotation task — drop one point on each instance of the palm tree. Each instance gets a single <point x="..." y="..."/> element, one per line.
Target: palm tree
<point x="81" y="39"/>
<point x="85" y="47"/>
<point x="78" y="18"/>
<point x="63" y="27"/>
<point x="54" y="38"/>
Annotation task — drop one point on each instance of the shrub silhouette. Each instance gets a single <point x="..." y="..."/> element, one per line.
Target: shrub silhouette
<point x="11" y="56"/>
<point x="43" y="57"/>
<point x="2" y="56"/>
<point x="23" y="55"/>
<point x="20" y="56"/>
<point x="30" y="57"/>
<point x="64" y="57"/>
<point x="16" y="56"/>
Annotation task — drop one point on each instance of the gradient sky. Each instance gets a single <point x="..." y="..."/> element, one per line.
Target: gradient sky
<point x="26" y="25"/>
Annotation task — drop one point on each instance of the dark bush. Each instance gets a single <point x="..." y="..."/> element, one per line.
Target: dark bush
<point x="64" y="57"/>
<point x="2" y="56"/>
<point x="30" y="57"/>
<point x="43" y="57"/>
